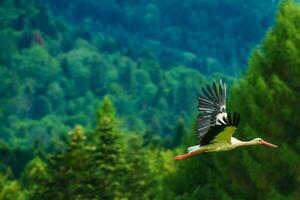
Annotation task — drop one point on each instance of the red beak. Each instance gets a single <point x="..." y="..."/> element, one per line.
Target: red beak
<point x="268" y="144"/>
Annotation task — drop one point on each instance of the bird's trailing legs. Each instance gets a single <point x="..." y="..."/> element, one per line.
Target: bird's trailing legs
<point x="180" y="157"/>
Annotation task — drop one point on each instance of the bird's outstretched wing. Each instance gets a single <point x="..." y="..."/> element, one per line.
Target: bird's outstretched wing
<point x="223" y="131"/>
<point x="211" y="107"/>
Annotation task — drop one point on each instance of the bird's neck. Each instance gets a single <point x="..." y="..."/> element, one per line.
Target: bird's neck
<point x="247" y="143"/>
<point x="239" y="143"/>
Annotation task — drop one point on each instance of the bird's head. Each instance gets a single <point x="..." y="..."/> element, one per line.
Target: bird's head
<point x="261" y="141"/>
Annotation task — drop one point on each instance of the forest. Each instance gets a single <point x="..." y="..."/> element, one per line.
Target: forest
<point x="97" y="97"/>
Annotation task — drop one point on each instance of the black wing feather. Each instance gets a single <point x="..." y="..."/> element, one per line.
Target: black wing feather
<point x="210" y="104"/>
<point x="206" y="94"/>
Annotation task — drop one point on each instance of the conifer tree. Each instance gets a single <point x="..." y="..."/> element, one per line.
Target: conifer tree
<point x="70" y="174"/>
<point x="110" y="166"/>
<point x="10" y="190"/>
<point x="35" y="172"/>
<point x="140" y="182"/>
<point x="267" y="98"/>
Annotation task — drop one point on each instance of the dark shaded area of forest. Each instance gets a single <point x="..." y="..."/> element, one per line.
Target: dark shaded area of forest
<point x="96" y="98"/>
<point x="211" y="36"/>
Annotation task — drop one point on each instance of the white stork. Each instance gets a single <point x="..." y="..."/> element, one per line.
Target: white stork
<point x="215" y="126"/>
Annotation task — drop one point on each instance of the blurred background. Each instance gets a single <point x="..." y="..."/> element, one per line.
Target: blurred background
<point x="97" y="97"/>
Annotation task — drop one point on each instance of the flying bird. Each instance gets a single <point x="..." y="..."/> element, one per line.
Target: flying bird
<point x="216" y="126"/>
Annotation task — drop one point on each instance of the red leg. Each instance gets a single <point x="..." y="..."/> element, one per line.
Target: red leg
<point x="180" y="157"/>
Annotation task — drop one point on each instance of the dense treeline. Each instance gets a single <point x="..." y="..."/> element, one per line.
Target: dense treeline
<point x="54" y="70"/>
<point x="212" y="36"/>
<point x="100" y="164"/>
<point x="54" y="76"/>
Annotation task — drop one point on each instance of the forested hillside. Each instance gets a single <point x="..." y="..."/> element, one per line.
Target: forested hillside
<point x="53" y="78"/>
<point x="58" y="59"/>
<point x="211" y="36"/>
<point x="96" y="98"/>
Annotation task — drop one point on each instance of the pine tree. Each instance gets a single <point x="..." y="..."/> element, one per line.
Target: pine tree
<point x="267" y="98"/>
<point x="110" y="165"/>
<point x="35" y="172"/>
<point x="140" y="182"/>
<point x="11" y="190"/>
<point x="70" y="175"/>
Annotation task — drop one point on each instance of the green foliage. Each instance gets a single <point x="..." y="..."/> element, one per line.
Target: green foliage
<point x="44" y="82"/>
<point x="36" y="172"/>
<point x="211" y="36"/>
<point x="109" y="153"/>
<point x="99" y="166"/>
<point x="269" y="92"/>
<point x="139" y="182"/>
<point x="10" y="190"/>
<point x="67" y="175"/>
<point x="54" y="71"/>
<point x="8" y="40"/>
<point x="266" y="97"/>
<point x="13" y="158"/>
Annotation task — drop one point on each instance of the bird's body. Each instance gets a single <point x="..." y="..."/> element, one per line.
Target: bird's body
<point x="215" y="125"/>
<point x="225" y="146"/>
